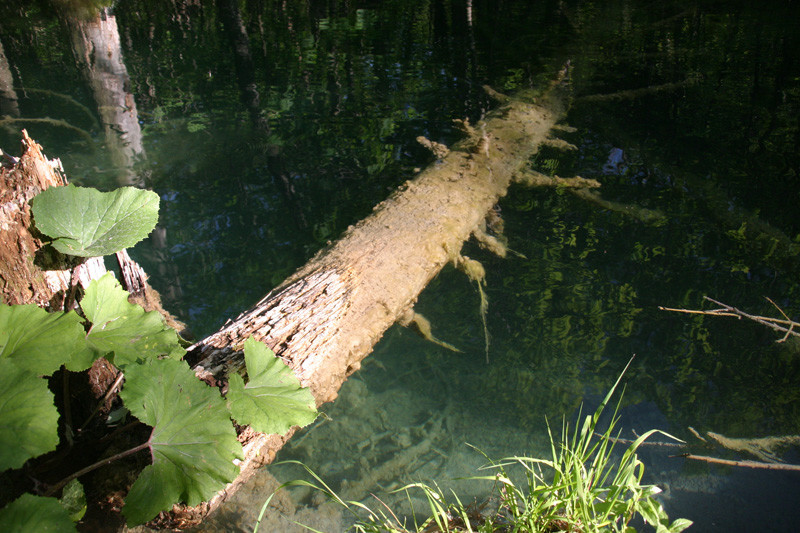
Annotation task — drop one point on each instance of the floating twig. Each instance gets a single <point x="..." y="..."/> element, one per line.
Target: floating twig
<point x="745" y="464"/>
<point x="777" y="324"/>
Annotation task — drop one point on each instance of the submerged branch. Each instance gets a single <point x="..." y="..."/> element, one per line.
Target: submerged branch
<point x="620" y="440"/>
<point x="642" y="214"/>
<point x="631" y="94"/>
<point x="64" y="98"/>
<point x="745" y="464"/>
<point x="777" y="324"/>
<point x="50" y="122"/>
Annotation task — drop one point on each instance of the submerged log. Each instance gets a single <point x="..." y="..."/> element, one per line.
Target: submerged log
<point x="326" y="318"/>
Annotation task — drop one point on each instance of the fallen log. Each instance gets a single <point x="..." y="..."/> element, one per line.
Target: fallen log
<point x="326" y="318"/>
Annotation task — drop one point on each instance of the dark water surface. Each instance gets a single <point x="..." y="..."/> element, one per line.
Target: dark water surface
<point x="268" y="127"/>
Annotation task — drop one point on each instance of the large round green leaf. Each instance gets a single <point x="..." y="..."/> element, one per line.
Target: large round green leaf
<point x="89" y="223"/>
<point x="28" y="417"/>
<point x="124" y="329"/>
<point x="193" y="443"/>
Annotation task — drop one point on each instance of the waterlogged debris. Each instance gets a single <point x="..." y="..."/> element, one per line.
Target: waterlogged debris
<point x="615" y="164"/>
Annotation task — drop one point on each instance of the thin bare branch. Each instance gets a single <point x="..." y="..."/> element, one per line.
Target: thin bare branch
<point x="777" y="324"/>
<point x="745" y="464"/>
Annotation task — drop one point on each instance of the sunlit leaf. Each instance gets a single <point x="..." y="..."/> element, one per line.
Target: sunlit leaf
<point x="38" y="341"/>
<point x="88" y="223"/>
<point x="123" y="328"/>
<point x="193" y="442"/>
<point x="272" y="401"/>
<point x="35" y="513"/>
<point x="28" y="417"/>
<point x="679" y="525"/>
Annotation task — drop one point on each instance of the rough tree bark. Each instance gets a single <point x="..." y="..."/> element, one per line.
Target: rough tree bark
<point x="28" y="274"/>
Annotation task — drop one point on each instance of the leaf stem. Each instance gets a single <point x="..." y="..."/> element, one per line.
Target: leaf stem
<point x="68" y="431"/>
<point x="109" y="392"/>
<point x="58" y="486"/>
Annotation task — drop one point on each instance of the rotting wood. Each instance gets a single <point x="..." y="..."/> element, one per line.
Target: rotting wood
<point x="33" y="273"/>
<point x="326" y="318"/>
<point x="29" y="273"/>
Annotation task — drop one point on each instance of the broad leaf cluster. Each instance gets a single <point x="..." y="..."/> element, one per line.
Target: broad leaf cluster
<point x="33" y="343"/>
<point x="193" y="444"/>
<point x="125" y="330"/>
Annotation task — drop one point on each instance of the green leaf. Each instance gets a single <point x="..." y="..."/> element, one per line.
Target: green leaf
<point x="272" y="401"/>
<point x="125" y="329"/>
<point x="73" y="500"/>
<point x="193" y="443"/>
<point x="38" y="341"/>
<point x="650" y="510"/>
<point x="89" y="223"/>
<point x="35" y="513"/>
<point x="27" y="415"/>
<point x="679" y="525"/>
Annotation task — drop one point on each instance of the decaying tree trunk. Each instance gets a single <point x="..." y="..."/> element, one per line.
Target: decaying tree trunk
<point x="28" y="274"/>
<point x="31" y="273"/>
<point x="326" y="318"/>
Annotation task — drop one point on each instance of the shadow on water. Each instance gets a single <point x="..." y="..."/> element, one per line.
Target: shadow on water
<point x="270" y="129"/>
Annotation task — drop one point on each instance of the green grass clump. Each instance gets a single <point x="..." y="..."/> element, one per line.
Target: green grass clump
<point x="582" y="488"/>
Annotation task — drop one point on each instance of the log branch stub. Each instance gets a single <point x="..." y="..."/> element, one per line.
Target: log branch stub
<point x="438" y="149"/>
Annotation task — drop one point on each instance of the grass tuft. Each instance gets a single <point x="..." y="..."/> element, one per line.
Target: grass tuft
<point x="581" y="488"/>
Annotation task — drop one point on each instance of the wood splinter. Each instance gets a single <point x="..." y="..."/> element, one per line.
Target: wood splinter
<point x="439" y="150"/>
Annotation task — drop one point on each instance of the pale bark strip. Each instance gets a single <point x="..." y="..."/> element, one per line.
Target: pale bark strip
<point x="9" y="102"/>
<point x="98" y="49"/>
<point x="327" y="317"/>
